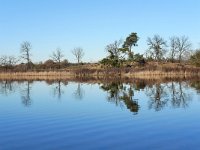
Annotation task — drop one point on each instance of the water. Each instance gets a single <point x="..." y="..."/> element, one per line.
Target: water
<point x="115" y="115"/>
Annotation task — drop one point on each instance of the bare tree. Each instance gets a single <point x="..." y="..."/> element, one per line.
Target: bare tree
<point x="7" y="61"/>
<point x="57" y="56"/>
<point x="3" y="60"/>
<point x="12" y="60"/>
<point x="78" y="53"/>
<point x="183" y="46"/>
<point x="173" y="48"/>
<point x="157" y="45"/>
<point x="25" y="52"/>
<point x="114" y="49"/>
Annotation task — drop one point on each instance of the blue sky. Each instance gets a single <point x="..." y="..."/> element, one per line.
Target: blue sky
<point x="92" y="24"/>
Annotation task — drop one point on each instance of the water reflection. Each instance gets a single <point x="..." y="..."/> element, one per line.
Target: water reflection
<point x="121" y="95"/>
<point x="7" y="87"/>
<point x="26" y="94"/>
<point x="162" y="95"/>
<point x="179" y="96"/>
<point x="158" y="95"/>
<point x="79" y="92"/>
<point x="196" y="85"/>
<point x="57" y="89"/>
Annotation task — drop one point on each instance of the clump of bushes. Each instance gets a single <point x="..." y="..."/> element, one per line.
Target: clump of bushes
<point x="195" y="58"/>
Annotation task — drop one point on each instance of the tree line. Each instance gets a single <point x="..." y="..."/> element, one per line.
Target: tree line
<point x="177" y="49"/>
<point x="56" y="60"/>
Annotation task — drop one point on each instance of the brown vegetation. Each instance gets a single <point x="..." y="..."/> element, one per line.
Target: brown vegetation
<point x="149" y="70"/>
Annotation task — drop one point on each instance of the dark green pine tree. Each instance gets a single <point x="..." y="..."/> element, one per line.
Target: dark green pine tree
<point x="131" y="41"/>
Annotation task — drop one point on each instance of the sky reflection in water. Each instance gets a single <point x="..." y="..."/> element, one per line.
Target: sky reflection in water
<point x="117" y="115"/>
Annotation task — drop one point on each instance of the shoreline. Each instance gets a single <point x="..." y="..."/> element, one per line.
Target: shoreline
<point x="67" y="75"/>
<point x="150" y="70"/>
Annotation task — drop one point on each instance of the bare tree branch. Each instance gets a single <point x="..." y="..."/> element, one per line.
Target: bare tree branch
<point x="157" y="44"/>
<point x="57" y="56"/>
<point x="78" y="53"/>
<point x="25" y="52"/>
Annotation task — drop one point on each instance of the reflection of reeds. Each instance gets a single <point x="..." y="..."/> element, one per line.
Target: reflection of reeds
<point x="100" y="79"/>
<point x="161" y="74"/>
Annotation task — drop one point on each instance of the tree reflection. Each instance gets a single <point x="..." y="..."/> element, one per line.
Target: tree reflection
<point x="57" y="90"/>
<point x="180" y="98"/>
<point x="25" y="94"/>
<point x="196" y="86"/>
<point x="161" y="95"/>
<point x="7" y="87"/>
<point x="158" y="96"/>
<point x="79" y="92"/>
<point x="141" y="85"/>
<point x="121" y="95"/>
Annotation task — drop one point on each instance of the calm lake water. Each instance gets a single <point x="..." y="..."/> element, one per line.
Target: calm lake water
<point x="115" y="115"/>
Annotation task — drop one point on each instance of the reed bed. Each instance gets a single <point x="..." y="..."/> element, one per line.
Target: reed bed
<point x="148" y="71"/>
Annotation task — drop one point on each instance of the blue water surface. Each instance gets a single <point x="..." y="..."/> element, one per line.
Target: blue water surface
<point x="71" y="115"/>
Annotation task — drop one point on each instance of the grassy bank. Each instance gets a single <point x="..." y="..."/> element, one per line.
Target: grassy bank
<point x="150" y="70"/>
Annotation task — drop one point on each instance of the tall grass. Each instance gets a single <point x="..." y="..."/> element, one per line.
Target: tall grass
<point x="151" y="70"/>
